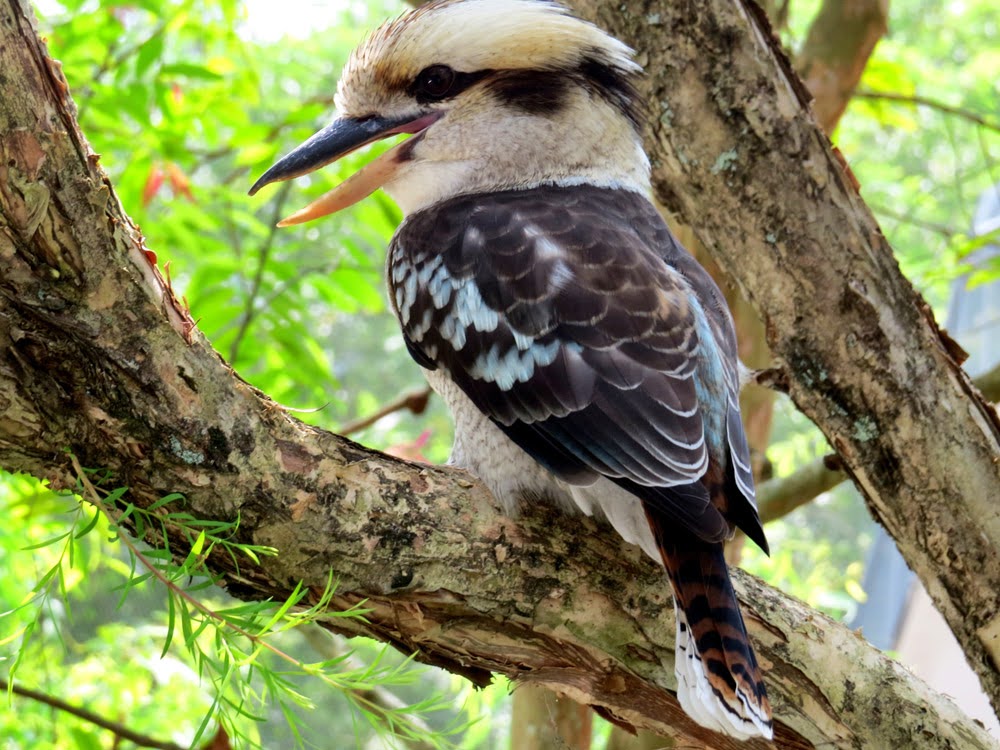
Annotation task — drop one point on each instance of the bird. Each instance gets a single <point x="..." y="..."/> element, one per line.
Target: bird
<point x="589" y="362"/>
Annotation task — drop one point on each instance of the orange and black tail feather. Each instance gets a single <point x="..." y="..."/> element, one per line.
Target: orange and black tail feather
<point x="718" y="681"/>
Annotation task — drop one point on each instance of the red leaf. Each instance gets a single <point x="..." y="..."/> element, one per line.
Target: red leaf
<point x="179" y="181"/>
<point x="153" y="183"/>
<point x="411" y="451"/>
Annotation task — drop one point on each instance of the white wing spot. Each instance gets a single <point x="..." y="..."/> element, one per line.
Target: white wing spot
<point x="424" y="274"/>
<point x="418" y="332"/>
<point x="440" y="287"/>
<point x="453" y="331"/>
<point x="562" y="274"/>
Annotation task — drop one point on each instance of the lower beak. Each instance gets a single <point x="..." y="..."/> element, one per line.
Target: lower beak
<point x="338" y="139"/>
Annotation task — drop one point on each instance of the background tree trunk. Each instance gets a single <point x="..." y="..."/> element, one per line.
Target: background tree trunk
<point x="544" y="720"/>
<point x="841" y="39"/>
<point x="96" y="357"/>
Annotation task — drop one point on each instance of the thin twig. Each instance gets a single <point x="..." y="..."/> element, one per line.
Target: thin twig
<point x="271" y="135"/>
<point x="263" y="254"/>
<point x="207" y="155"/>
<point x="283" y="286"/>
<point x="923" y="101"/>
<point x="415" y="401"/>
<point x="943" y="229"/>
<point x="95" y="498"/>
<point x="114" y="58"/>
<point x="119" y="730"/>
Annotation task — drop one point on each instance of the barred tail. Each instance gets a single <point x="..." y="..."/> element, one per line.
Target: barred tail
<point x="719" y="684"/>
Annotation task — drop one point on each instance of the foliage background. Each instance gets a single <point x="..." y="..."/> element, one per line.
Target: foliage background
<point x="187" y="101"/>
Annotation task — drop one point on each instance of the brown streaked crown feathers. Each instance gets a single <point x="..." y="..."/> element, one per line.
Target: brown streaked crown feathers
<point x="509" y="35"/>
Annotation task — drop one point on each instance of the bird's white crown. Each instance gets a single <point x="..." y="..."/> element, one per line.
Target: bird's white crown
<point x="473" y="35"/>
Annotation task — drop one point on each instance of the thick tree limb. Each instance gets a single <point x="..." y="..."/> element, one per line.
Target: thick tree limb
<point x="94" y="357"/>
<point x="841" y="39"/>
<point x="779" y="497"/>
<point x="737" y="153"/>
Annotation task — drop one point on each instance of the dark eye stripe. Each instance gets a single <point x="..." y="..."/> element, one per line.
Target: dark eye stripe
<point x="614" y="85"/>
<point x="544" y="91"/>
<point x="535" y="91"/>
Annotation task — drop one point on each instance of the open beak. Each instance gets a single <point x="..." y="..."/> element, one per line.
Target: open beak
<point x="339" y="138"/>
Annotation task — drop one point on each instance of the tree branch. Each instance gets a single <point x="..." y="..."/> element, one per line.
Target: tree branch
<point x="119" y="730"/>
<point x="924" y="101"/>
<point x="780" y="496"/>
<point x="94" y="358"/>
<point x="841" y="38"/>
<point x="415" y="402"/>
<point x="263" y="253"/>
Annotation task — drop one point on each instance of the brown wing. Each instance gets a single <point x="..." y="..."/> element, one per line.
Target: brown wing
<point x="574" y="320"/>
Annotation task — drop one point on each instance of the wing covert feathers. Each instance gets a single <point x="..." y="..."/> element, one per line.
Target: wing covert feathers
<point x="572" y="318"/>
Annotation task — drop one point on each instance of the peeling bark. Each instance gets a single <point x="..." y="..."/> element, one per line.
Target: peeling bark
<point x="95" y="358"/>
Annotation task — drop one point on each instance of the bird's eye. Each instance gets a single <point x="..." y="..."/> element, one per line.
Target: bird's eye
<point x="434" y="82"/>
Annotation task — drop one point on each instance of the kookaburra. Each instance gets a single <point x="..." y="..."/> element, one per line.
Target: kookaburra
<point x="587" y="359"/>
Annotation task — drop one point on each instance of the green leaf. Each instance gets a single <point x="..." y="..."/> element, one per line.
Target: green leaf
<point x="165" y="500"/>
<point x="89" y="526"/>
<point x="150" y="52"/>
<point x="199" y="545"/>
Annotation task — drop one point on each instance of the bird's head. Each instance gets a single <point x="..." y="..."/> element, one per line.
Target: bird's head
<point x="497" y="94"/>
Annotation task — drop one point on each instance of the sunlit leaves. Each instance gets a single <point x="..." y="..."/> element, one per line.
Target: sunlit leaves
<point x="921" y="168"/>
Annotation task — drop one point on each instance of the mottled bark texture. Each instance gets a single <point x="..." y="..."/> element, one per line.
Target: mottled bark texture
<point x="96" y="358"/>
<point x="780" y="496"/>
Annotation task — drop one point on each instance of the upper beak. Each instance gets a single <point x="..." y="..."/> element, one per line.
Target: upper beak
<point x="339" y="138"/>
